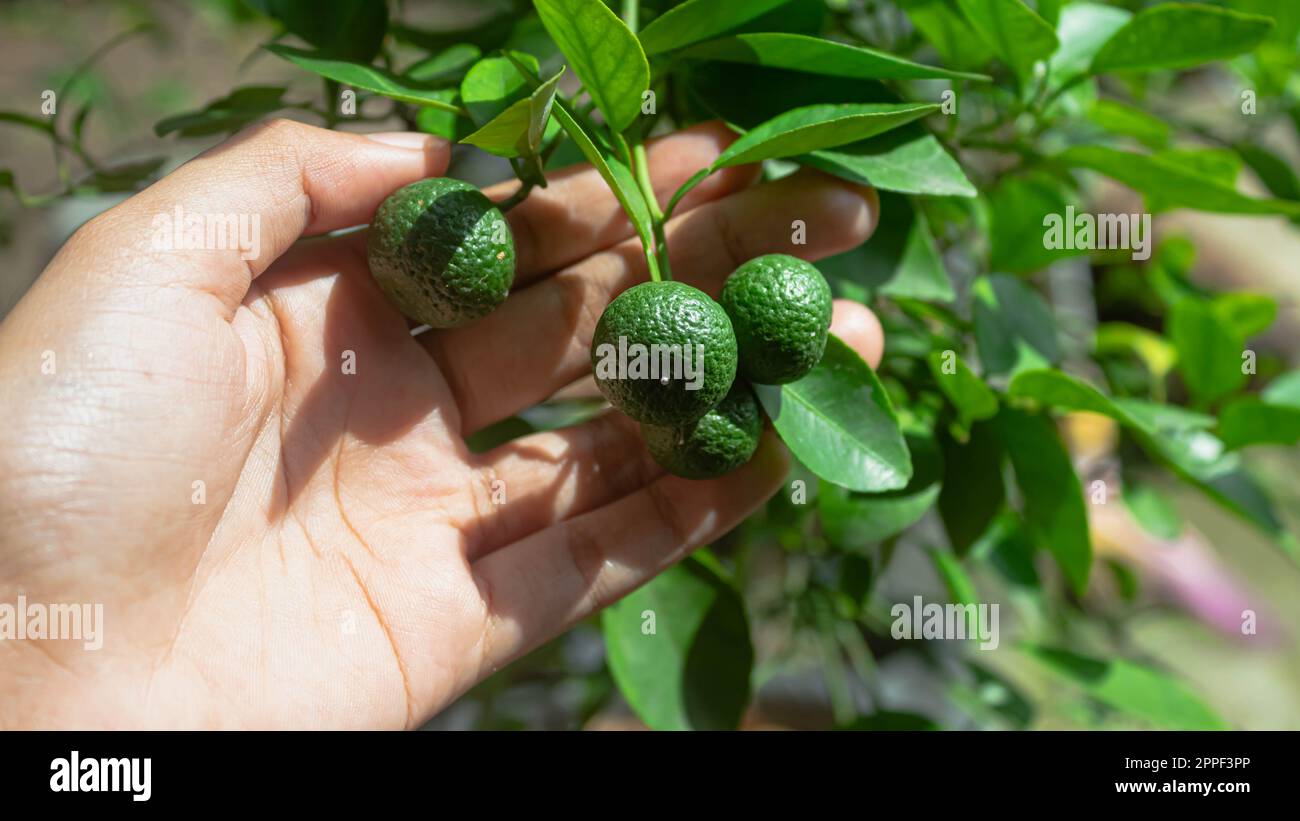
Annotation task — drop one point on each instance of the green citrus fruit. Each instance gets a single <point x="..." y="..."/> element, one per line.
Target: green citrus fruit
<point x="780" y="307"/>
<point x="442" y="252"/>
<point x="716" y="443"/>
<point x="664" y="353"/>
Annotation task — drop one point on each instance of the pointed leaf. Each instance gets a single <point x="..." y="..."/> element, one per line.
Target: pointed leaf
<point x="817" y="56"/>
<point x="972" y="499"/>
<point x="692" y="671"/>
<point x="1180" y="35"/>
<point x="818" y="126"/>
<point x="518" y="130"/>
<point x="1140" y="691"/>
<point x="1171" y="181"/>
<point x="604" y="54"/>
<point x="839" y="422"/>
<point x="698" y="20"/>
<point x="855" y="521"/>
<point x="1014" y="328"/>
<point x="226" y="115"/>
<point x="344" y="29"/>
<point x="904" y="161"/>
<point x="1053" y="498"/>
<point x="1017" y="35"/>
<point x="369" y="78"/>
<point x="973" y="399"/>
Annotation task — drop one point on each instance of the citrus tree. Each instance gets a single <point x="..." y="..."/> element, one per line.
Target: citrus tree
<point x="985" y="126"/>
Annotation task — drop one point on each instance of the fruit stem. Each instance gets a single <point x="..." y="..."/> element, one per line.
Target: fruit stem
<point x="641" y="169"/>
<point x="514" y="199"/>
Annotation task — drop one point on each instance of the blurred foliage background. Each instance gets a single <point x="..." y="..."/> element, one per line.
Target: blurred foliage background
<point x="815" y="588"/>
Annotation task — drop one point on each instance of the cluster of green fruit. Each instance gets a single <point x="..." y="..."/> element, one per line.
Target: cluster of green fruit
<point x="444" y="255"/>
<point x="769" y="327"/>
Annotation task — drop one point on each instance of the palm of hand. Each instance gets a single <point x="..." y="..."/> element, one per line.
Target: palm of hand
<point x="310" y="542"/>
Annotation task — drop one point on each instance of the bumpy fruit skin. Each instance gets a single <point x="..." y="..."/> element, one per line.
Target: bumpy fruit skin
<point x="665" y="313"/>
<point x="434" y="251"/>
<point x="719" y="442"/>
<point x="780" y="307"/>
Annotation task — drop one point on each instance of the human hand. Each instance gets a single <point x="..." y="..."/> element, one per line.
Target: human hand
<point x="278" y="541"/>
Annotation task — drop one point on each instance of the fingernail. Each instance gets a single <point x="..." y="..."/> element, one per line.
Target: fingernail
<point x="404" y="139"/>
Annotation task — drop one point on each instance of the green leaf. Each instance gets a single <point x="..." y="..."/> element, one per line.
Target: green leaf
<point x="518" y="130"/>
<point x="9" y="183"/>
<point x="901" y="161"/>
<point x="961" y="590"/>
<point x="818" y="126"/>
<point x="444" y="66"/>
<point x="698" y="20"/>
<point x="1209" y="350"/>
<point x="1082" y="30"/>
<point x="226" y="115"/>
<point x="1157" y="418"/>
<point x="955" y="41"/>
<point x="1061" y="391"/>
<point x="902" y="260"/>
<point x="1140" y="691"/>
<point x="1009" y="548"/>
<point x="1148" y="347"/>
<point x="1171" y="181"/>
<point x="1278" y="177"/>
<point x="1248" y="314"/>
<point x="1285" y="15"/>
<point x="1118" y="118"/>
<point x="1152" y="510"/>
<point x="1285" y="390"/>
<point x="28" y="121"/>
<point x="1173" y="435"/>
<point x="1221" y="165"/>
<point x="817" y="56"/>
<point x="908" y="159"/>
<point x="1180" y="35"/>
<point x="1057" y="389"/>
<point x="808" y="129"/>
<point x="999" y="695"/>
<point x="972" y="398"/>
<point x="856" y="521"/>
<point x="1018" y="208"/>
<point x="1017" y="35"/>
<point x="125" y="177"/>
<point x="1053" y="499"/>
<point x="344" y="29"/>
<point x="1253" y="421"/>
<point x="443" y="123"/>
<point x="493" y="84"/>
<point x="604" y="54"/>
<point x="486" y="33"/>
<point x="839" y="422"/>
<point x="1014" y="328"/>
<point x="369" y="78"/>
<point x="975" y="491"/>
<point x="693" y="671"/>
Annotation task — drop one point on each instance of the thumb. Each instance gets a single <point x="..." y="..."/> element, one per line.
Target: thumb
<point x="245" y="201"/>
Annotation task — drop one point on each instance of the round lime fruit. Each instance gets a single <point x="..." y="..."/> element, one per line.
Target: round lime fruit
<point x="664" y="353"/>
<point x="780" y="307"/>
<point x="442" y="252"/>
<point x="716" y="443"/>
